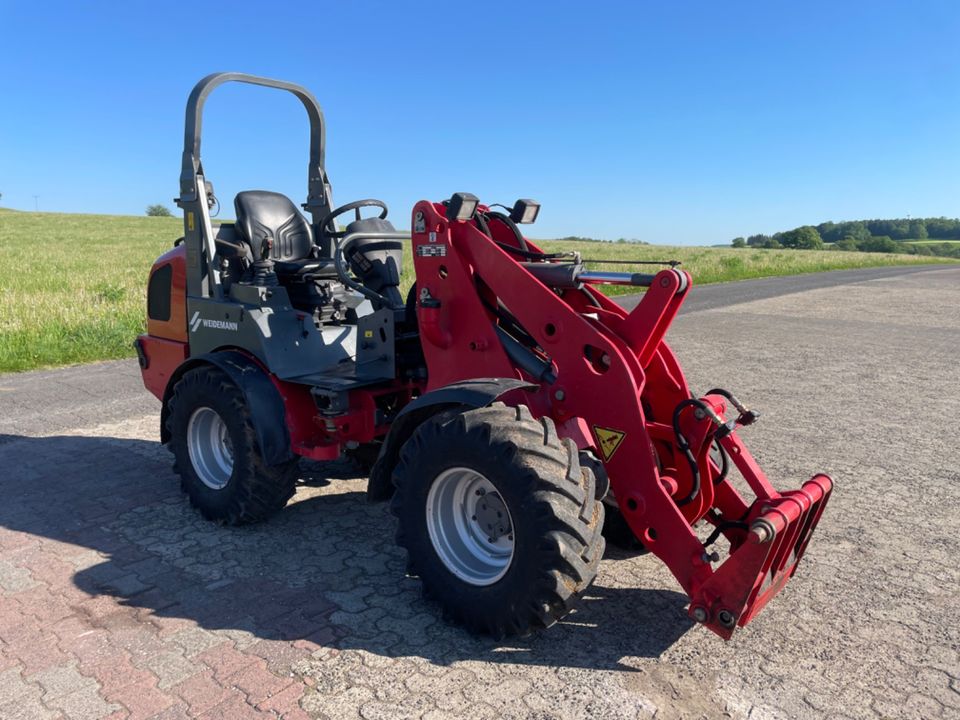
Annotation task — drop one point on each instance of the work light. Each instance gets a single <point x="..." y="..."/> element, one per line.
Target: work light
<point x="462" y="206"/>
<point x="525" y="211"/>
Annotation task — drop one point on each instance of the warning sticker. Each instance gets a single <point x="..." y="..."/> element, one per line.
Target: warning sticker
<point x="609" y="440"/>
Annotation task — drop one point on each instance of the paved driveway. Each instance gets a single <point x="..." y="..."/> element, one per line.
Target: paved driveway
<point x="116" y="600"/>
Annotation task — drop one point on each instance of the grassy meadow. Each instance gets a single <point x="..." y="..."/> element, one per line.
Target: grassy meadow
<point x="928" y="241"/>
<point x="73" y="287"/>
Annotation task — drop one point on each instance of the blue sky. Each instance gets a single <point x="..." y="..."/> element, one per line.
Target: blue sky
<point x="671" y="122"/>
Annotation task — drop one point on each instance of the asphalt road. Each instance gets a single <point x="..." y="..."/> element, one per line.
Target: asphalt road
<point x="115" y="598"/>
<point x="720" y="295"/>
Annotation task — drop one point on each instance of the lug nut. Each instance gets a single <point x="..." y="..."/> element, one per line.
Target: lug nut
<point x="700" y="614"/>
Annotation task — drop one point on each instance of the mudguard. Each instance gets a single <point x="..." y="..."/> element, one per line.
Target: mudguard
<point x="262" y="398"/>
<point x="457" y="397"/>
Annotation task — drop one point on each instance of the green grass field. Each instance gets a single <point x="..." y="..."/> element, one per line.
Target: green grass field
<point x="928" y="241"/>
<point x="72" y="287"/>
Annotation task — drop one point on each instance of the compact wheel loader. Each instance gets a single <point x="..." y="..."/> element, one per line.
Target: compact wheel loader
<point x="506" y="406"/>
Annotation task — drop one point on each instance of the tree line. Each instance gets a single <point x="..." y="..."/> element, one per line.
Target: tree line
<point x="866" y="236"/>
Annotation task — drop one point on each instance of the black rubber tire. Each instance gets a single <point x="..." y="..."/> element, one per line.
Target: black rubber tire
<point x="255" y="490"/>
<point x="615" y="528"/>
<point x="557" y="519"/>
<point x="617" y="531"/>
<point x="364" y="456"/>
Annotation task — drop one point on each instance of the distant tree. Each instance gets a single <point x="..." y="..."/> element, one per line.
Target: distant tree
<point x="830" y="231"/>
<point x="158" y="211"/>
<point x="804" y="237"/>
<point x="871" y="234"/>
<point x="943" y="228"/>
<point x="739" y="242"/>
<point x="882" y="244"/>
<point x="918" y="230"/>
<point x="857" y="230"/>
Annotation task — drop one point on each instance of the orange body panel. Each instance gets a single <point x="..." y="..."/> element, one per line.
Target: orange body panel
<point x="176" y="327"/>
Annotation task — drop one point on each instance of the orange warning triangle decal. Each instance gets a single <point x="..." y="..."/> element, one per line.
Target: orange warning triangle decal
<point x="609" y="440"/>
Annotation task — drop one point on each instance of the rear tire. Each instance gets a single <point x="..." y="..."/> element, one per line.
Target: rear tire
<point x="217" y="453"/>
<point x="500" y="471"/>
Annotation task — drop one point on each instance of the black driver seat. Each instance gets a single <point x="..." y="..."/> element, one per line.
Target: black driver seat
<point x="262" y="214"/>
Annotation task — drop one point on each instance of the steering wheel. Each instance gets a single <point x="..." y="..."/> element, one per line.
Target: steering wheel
<point x="355" y="205"/>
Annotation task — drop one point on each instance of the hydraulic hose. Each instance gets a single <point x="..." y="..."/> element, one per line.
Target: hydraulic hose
<point x="721" y="526"/>
<point x="505" y="219"/>
<point x="724" y="464"/>
<point x="747" y="416"/>
<point x="684" y="446"/>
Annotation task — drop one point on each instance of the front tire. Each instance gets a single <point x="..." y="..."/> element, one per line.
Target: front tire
<point x="499" y="520"/>
<point x="617" y="531"/>
<point x="217" y="453"/>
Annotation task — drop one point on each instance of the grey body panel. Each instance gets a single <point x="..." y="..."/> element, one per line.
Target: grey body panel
<point x="287" y="341"/>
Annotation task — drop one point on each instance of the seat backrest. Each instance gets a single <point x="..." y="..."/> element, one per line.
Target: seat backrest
<point x="261" y="213"/>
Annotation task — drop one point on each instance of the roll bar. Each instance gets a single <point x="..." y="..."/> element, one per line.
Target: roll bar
<point x="203" y="279"/>
<point x="318" y="187"/>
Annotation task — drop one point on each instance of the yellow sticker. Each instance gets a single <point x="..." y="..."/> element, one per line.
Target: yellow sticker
<point x="368" y="333"/>
<point x="190" y="221"/>
<point x="609" y="440"/>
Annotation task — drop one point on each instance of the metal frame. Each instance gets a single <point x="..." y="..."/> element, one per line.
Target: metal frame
<point x="343" y="272"/>
<point x="203" y="280"/>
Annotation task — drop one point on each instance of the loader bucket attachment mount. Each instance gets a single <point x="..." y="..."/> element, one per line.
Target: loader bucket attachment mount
<point x="760" y="567"/>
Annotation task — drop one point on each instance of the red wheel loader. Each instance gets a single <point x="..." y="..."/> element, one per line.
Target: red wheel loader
<point x="507" y="405"/>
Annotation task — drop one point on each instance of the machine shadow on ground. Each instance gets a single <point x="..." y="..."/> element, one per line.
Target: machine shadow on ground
<point x="325" y="569"/>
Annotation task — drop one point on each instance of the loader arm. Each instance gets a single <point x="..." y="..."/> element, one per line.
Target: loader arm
<point x="611" y="383"/>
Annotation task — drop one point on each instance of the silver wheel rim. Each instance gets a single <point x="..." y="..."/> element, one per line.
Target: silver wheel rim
<point x="470" y="526"/>
<point x="211" y="452"/>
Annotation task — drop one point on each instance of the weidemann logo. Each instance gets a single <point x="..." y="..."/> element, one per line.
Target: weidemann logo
<point x="196" y="321"/>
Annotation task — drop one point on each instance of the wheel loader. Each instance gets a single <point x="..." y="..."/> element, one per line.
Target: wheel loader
<point x="509" y="410"/>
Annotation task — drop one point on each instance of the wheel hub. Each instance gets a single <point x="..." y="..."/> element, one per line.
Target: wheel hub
<point x="492" y="516"/>
<point x="210" y="448"/>
<point x="470" y="526"/>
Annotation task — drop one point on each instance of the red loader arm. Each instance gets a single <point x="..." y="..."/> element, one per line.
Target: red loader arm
<point x="488" y="308"/>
